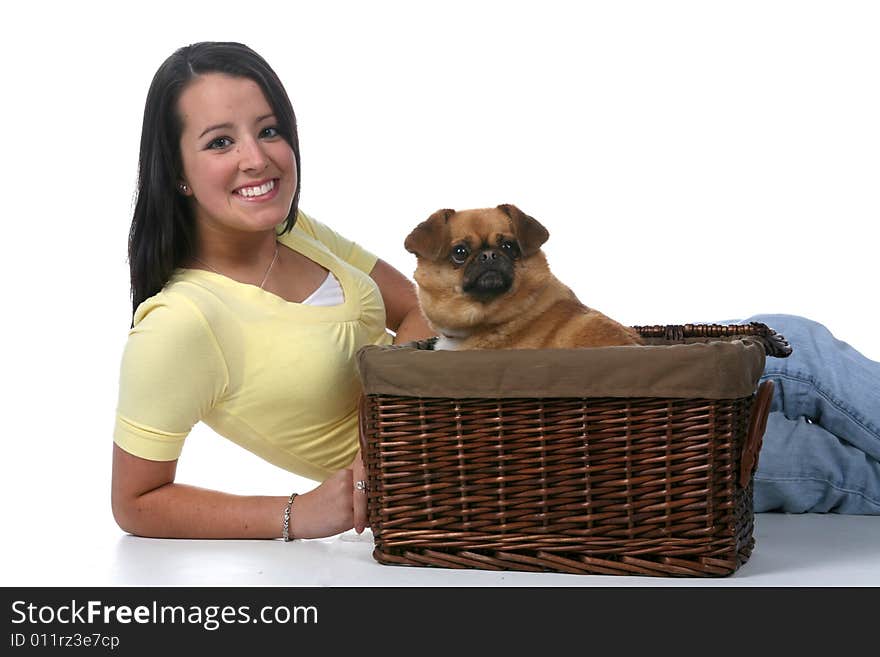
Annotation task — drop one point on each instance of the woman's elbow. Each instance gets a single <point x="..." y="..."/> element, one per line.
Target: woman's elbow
<point x="125" y="515"/>
<point x="134" y="481"/>
<point x="132" y="515"/>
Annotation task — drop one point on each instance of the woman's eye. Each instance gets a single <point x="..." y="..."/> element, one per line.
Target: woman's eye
<point x="269" y="132"/>
<point x="220" y="142"/>
<point x="459" y="254"/>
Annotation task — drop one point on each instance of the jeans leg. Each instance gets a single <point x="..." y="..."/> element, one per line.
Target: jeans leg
<point x="803" y="468"/>
<point x="825" y="381"/>
<point x="821" y="448"/>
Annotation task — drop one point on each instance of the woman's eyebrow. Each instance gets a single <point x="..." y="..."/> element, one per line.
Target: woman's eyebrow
<point x="226" y="126"/>
<point x="219" y="126"/>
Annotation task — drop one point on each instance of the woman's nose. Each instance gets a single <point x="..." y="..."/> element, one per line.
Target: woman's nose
<point x="252" y="156"/>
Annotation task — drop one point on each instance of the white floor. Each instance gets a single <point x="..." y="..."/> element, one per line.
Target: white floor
<point x="802" y="550"/>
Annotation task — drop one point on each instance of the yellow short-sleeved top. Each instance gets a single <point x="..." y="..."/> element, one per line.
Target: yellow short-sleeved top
<point x="277" y="378"/>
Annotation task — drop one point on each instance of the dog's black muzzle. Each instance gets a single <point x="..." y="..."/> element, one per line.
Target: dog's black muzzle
<point x="488" y="275"/>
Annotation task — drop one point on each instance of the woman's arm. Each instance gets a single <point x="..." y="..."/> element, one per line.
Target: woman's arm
<point x="402" y="312"/>
<point x="147" y="502"/>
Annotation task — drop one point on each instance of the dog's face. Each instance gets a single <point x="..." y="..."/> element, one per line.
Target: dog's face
<point x="477" y="267"/>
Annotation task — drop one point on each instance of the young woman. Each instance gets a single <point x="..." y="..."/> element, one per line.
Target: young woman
<point x="248" y="313"/>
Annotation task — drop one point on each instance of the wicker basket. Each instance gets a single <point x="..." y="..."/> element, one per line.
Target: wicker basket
<point x="487" y="471"/>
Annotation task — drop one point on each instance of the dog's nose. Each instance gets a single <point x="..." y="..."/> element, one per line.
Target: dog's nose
<point x="488" y="255"/>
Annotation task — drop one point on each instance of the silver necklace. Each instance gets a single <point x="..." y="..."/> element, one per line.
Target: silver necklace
<point x="265" y="276"/>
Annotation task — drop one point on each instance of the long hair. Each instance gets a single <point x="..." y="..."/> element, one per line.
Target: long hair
<point x="162" y="234"/>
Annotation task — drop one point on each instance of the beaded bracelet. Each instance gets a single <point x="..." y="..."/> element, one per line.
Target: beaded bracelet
<point x="285" y="527"/>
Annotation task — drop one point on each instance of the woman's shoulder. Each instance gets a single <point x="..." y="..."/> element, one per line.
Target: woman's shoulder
<point x="180" y="306"/>
<point x="318" y="234"/>
<point x="173" y="372"/>
<point x="171" y="331"/>
<point x="306" y="229"/>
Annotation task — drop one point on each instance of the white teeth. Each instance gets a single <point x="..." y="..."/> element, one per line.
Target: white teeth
<point x="258" y="190"/>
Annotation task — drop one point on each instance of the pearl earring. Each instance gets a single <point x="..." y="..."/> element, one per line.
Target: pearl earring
<point x="183" y="188"/>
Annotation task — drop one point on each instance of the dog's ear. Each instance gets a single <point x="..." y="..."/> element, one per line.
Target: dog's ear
<point x="529" y="232"/>
<point x="429" y="239"/>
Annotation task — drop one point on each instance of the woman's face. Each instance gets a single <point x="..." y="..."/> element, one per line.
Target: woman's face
<point x="239" y="171"/>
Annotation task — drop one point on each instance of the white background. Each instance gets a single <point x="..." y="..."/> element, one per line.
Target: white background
<point x="693" y="161"/>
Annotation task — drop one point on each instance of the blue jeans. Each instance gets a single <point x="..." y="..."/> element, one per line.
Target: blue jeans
<point x="821" y="449"/>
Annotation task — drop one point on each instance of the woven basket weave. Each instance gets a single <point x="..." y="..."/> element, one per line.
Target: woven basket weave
<point x="577" y="483"/>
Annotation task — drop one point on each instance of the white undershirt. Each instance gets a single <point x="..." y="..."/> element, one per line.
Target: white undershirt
<point x="329" y="293"/>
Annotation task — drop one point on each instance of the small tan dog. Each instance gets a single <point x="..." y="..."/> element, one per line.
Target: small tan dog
<point x="484" y="283"/>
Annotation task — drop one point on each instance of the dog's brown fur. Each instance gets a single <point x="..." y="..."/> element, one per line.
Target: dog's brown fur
<point x="535" y="311"/>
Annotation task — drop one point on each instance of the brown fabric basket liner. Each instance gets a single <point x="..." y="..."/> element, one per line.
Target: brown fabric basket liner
<point x="706" y="370"/>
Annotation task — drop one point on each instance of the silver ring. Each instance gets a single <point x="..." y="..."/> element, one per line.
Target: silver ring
<point x="361" y="485"/>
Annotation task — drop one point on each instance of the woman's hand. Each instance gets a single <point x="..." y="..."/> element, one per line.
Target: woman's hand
<point x="333" y="507"/>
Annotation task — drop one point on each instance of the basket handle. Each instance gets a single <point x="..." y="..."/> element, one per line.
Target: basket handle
<point x="774" y="343"/>
<point x="755" y="436"/>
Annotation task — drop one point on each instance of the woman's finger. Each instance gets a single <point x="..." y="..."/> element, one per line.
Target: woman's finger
<point x="359" y="501"/>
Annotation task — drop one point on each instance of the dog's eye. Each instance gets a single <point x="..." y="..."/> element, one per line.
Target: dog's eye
<point x="510" y="249"/>
<point x="460" y="253"/>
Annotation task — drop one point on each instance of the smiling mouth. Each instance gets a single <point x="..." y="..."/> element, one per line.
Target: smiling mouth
<point x="257" y="191"/>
